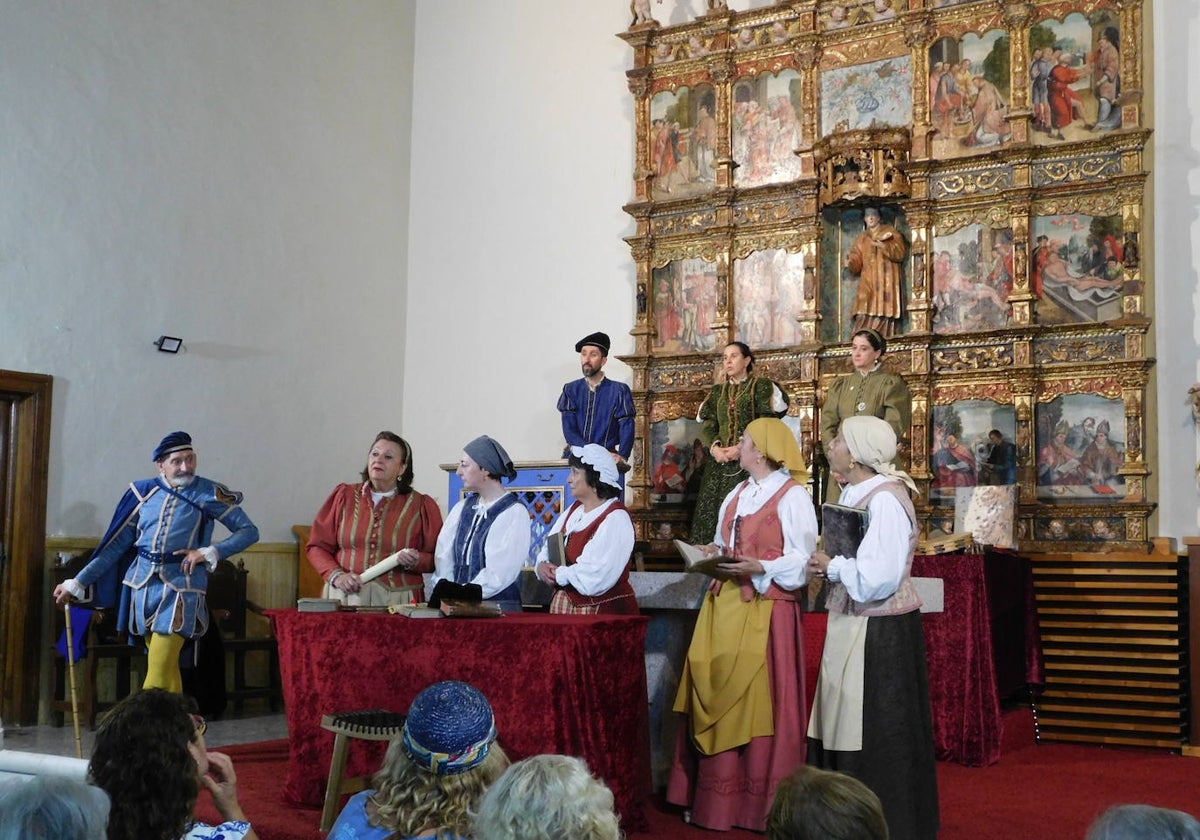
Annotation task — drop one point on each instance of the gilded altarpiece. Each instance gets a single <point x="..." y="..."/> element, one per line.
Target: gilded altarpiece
<point x="998" y="147"/>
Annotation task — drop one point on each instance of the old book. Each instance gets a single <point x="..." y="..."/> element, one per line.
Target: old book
<point x="695" y="561"/>
<point x="318" y="605"/>
<point x="468" y="609"/>
<point x="556" y="548"/>
<point x="842" y="529"/>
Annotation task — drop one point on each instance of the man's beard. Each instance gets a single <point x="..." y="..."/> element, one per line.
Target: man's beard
<point x="588" y="370"/>
<point x="181" y="480"/>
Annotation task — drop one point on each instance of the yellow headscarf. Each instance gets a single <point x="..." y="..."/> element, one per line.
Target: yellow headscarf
<point x="775" y="440"/>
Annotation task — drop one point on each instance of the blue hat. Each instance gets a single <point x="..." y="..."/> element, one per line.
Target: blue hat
<point x="450" y="728"/>
<point x="173" y="442"/>
<point x="490" y="455"/>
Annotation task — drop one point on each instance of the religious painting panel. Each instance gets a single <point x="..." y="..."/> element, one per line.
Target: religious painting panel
<point x="845" y="14"/>
<point x="683" y="141"/>
<point x="865" y="280"/>
<point x="1080" y="448"/>
<point x="685" y="304"/>
<point x="677" y="455"/>
<point x="972" y="279"/>
<point x="963" y="452"/>
<point x="1077" y="267"/>
<point x="766" y="128"/>
<point x="1075" y="76"/>
<point x="767" y="298"/>
<point x="877" y="94"/>
<point x="969" y="93"/>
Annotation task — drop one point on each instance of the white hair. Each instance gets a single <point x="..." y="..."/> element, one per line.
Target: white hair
<point x="1142" y="822"/>
<point x="547" y="797"/>
<point x="52" y="808"/>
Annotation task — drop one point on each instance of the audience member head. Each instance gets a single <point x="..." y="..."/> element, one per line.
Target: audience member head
<point x="1144" y="822"/>
<point x="599" y="469"/>
<point x="547" y="797"/>
<point x="814" y="804"/>
<point x="392" y="454"/>
<point x="148" y="757"/>
<point x="52" y="808"/>
<point x="435" y="773"/>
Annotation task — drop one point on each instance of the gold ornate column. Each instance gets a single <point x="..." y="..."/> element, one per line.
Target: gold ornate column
<point x="1016" y="18"/>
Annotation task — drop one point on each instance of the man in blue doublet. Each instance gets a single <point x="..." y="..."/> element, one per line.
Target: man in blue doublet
<point x="160" y="547"/>
<point x="595" y="409"/>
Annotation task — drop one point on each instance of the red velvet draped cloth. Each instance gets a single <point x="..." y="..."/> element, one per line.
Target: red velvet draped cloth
<point x="961" y="645"/>
<point x="574" y="685"/>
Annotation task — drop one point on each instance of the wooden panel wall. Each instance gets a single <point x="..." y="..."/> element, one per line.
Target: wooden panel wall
<point x="1114" y="630"/>
<point x="271" y="584"/>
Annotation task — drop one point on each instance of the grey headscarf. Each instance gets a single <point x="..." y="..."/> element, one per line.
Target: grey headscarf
<point x="872" y="443"/>
<point x="490" y="455"/>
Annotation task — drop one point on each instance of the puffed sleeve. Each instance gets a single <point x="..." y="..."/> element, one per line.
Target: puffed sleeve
<point x="431" y="527"/>
<point x="322" y="537"/>
<point x="798" y="520"/>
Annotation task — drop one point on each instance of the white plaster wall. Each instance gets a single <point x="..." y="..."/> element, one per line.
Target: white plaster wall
<point x="235" y="173"/>
<point x="1176" y="63"/>
<point x="522" y="158"/>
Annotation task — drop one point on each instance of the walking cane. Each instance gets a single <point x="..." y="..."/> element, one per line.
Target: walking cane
<point x="71" y="681"/>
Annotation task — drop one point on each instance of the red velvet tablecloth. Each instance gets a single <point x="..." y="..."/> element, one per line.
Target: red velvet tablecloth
<point x="574" y="685"/>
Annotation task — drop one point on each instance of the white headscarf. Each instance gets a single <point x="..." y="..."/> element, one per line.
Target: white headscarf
<point x="872" y="443"/>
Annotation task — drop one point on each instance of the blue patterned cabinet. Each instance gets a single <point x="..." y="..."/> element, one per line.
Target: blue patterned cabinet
<point x="542" y="488"/>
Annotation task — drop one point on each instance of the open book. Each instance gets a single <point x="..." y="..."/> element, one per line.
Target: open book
<point x="695" y="561"/>
<point x="842" y="529"/>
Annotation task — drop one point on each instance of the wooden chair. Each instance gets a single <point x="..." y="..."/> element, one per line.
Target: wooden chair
<point x="310" y="584"/>
<point x="367" y="725"/>
<point x="228" y="605"/>
<point x="102" y="641"/>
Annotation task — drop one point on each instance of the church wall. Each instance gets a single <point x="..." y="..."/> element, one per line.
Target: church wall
<point x="1176" y="258"/>
<point x="235" y="173"/>
<point x="509" y="389"/>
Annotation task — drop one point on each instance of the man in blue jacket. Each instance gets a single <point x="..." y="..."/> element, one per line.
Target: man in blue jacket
<point x="159" y="545"/>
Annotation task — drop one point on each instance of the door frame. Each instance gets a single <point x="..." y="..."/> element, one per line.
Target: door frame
<point x="26" y="397"/>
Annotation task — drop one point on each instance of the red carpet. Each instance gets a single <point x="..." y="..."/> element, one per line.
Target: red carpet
<point x="1036" y="791"/>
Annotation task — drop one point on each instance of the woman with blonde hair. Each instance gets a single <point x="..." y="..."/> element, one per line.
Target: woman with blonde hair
<point x="434" y="774"/>
<point x="547" y="797"/>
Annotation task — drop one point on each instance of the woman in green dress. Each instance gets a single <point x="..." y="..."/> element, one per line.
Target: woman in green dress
<point x="869" y="390"/>
<point x="725" y="413"/>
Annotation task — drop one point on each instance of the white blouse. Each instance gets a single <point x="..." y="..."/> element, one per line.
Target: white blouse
<point x="878" y="569"/>
<point x="797" y="518"/>
<point x="505" y="549"/>
<point x="599" y="565"/>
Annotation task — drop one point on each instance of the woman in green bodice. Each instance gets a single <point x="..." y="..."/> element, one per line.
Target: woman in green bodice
<point x="725" y="413"/>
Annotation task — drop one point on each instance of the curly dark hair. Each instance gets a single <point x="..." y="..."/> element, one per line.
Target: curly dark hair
<point x="141" y="760"/>
<point x="404" y="482"/>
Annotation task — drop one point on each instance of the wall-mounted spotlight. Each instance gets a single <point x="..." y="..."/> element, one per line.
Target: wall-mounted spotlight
<point x="169" y="344"/>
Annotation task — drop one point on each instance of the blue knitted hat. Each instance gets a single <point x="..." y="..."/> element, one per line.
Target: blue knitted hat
<point x="173" y="442"/>
<point x="450" y="728"/>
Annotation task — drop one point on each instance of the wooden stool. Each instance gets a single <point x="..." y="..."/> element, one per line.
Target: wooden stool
<point x="369" y="725"/>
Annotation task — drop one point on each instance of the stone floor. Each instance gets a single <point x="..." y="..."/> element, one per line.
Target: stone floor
<point x="256" y="722"/>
